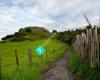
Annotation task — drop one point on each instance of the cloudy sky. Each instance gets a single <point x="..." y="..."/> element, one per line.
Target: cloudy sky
<point x="52" y="14"/>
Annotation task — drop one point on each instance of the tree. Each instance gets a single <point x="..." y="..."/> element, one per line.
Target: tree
<point x="54" y="31"/>
<point x="28" y="29"/>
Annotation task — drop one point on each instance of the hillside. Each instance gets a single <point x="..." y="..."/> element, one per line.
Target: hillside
<point x="9" y="69"/>
<point x="27" y="33"/>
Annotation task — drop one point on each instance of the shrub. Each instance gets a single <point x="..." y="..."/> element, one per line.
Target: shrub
<point x="7" y="37"/>
<point x="17" y="39"/>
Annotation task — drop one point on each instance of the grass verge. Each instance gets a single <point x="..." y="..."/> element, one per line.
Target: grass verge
<point x="80" y="70"/>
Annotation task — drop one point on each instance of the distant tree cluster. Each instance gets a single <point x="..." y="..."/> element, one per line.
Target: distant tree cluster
<point x="33" y="33"/>
<point x="70" y="36"/>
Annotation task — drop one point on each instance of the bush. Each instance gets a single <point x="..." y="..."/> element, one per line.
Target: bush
<point x="17" y="39"/>
<point x="20" y="34"/>
<point x="7" y="37"/>
<point x="28" y="29"/>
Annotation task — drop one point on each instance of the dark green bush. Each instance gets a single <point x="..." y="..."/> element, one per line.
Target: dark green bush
<point x="17" y="39"/>
<point x="7" y="37"/>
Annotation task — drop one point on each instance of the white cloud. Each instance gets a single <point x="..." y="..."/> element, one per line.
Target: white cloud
<point x="5" y="18"/>
<point x="49" y="13"/>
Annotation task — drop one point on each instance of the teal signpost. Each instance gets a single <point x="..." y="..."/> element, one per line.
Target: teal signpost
<point x="40" y="50"/>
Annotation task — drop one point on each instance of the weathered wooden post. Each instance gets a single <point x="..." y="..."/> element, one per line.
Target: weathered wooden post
<point x="79" y="46"/>
<point x="17" y="59"/>
<point x="84" y="46"/>
<point x="96" y="48"/>
<point x="87" y="48"/>
<point x="92" y="49"/>
<point x="40" y="57"/>
<point x="46" y="53"/>
<point x="30" y="56"/>
<point x="90" y="38"/>
<point x="89" y="56"/>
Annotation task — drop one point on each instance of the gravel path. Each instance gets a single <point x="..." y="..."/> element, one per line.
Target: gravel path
<point x="58" y="70"/>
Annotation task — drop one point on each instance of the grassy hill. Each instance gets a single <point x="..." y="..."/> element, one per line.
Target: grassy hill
<point x="9" y="69"/>
<point x="27" y="33"/>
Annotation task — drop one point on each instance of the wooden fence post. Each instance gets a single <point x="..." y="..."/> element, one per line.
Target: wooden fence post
<point x="41" y="57"/>
<point x="53" y="50"/>
<point x="30" y="56"/>
<point x="46" y="53"/>
<point x="17" y="59"/>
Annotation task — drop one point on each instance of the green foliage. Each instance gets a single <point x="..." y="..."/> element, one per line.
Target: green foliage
<point x="66" y="36"/>
<point x="82" y="71"/>
<point x="70" y="35"/>
<point x="7" y="37"/>
<point x="28" y="29"/>
<point x="17" y="39"/>
<point x="88" y="27"/>
<point x="54" y="31"/>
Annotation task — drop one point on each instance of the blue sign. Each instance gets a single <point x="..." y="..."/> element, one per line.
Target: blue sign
<point x="40" y="50"/>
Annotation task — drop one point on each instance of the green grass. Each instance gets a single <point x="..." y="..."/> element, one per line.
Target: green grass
<point x="82" y="71"/>
<point x="9" y="70"/>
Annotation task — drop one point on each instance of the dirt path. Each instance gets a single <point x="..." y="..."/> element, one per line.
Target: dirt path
<point x="59" y="70"/>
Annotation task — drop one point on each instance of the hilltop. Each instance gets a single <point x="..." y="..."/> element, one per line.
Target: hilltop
<point x="28" y="33"/>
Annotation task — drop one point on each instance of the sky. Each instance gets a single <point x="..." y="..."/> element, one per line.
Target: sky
<point x="50" y="14"/>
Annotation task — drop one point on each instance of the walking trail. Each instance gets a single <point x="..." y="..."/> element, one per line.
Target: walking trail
<point x="59" y="69"/>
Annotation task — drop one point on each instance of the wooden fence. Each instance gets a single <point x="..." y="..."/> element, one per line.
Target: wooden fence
<point x="87" y="47"/>
<point x="48" y="52"/>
